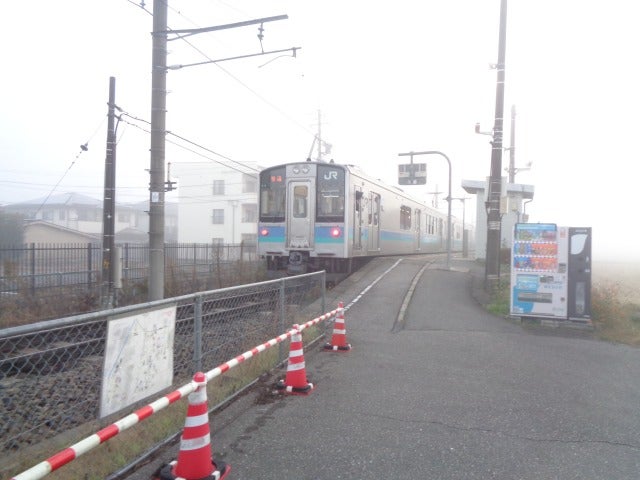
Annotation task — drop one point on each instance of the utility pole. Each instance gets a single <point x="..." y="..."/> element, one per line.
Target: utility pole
<point x="319" y="137"/>
<point x="492" y="265"/>
<point x="157" y="184"/>
<point x="157" y="150"/>
<point x="512" y="147"/>
<point x="109" y="203"/>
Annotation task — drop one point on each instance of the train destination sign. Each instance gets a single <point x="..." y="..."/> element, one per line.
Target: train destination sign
<point x="412" y="174"/>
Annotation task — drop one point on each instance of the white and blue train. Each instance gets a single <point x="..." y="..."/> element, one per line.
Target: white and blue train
<point x="325" y="216"/>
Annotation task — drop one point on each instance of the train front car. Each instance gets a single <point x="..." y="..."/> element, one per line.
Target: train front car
<point x="302" y="213"/>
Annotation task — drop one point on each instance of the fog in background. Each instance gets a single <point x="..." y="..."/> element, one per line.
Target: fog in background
<point x="386" y="77"/>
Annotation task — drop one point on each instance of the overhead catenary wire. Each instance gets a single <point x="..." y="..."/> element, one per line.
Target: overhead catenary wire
<point x="83" y="148"/>
<point x="253" y="170"/>
<point x="227" y="72"/>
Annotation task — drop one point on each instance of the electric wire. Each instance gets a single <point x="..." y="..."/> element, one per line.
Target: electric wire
<point x="256" y="94"/>
<point x="243" y="84"/>
<point x="83" y="148"/>
<point x="195" y="144"/>
<point x="141" y="5"/>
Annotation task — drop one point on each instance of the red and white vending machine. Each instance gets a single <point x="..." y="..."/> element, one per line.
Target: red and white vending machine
<point x="551" y="272"/>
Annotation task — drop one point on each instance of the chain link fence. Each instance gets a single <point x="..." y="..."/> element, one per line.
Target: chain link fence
<point x="51" y="372"/>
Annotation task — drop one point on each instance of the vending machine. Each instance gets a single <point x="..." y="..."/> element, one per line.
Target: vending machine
<point x="579" y="274"/>
<point x="551" y="272"/>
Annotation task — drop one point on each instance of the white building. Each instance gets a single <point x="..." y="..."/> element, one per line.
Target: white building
<point x="84" y="214"/>
<point x="217" y="203"/>
<point x="515" y="197"/>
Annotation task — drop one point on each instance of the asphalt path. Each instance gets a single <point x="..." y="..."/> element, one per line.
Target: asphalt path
<point x="449" y="391"/>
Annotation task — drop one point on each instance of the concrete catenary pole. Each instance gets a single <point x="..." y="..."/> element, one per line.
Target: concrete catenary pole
<point x="512" y="147"/>
<point x="109" y="202"/>
<point x="492" y="265"/>
<point x="157" y="150"/>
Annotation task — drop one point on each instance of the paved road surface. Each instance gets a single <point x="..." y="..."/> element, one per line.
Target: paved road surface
<point x="455" y="393"/>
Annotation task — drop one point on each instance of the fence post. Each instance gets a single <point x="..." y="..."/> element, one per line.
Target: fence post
<point x="126" y="262"/>
<point x="283" y="314"/>
<point x="194" y="268"/>
<point x="33" y="268"/>
<point x="89" y="266"/>
<point x="323" y="291"/>
<point x="197" y="333"/>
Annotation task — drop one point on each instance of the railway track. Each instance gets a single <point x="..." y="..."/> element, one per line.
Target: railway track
<point x="50" y="378"/>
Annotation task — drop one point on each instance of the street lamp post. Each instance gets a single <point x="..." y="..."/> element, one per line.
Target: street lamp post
<point x="435" y="152"/>
<point x="465" y="241"/>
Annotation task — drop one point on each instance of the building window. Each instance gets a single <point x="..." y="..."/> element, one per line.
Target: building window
<point x="217" y="216"/>
<point x="124" y="217"/>
<point x="62" y="214"/>
<point x="249" y="183"/>
<point x="88" y="215"/>
<point x="249" y="213"/>
<point x="217" y="241"/>
<point x="218" y="187"/>
<point x="47" y="215"/>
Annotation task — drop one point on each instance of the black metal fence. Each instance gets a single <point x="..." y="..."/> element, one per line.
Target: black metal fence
<point x="52" y="373"/>
<point x="34" y="267"/>
<point x="74" y="271"/>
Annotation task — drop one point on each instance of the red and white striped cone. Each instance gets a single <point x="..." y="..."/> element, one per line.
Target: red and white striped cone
<point x="339" y="337"/>
<point x="194" y="458"/>
<point x="295" y="381"/>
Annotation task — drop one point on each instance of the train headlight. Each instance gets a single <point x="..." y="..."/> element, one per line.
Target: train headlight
<point x="336" y="232"/>
<point x="298" y="169"/>
<point x="264" y="232"/>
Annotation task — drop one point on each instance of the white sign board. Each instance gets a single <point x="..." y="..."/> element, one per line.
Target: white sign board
<point x="138" y="359"/>
<point x="412" y="174"/>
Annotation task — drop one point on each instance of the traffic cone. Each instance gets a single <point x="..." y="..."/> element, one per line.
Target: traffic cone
<point x="194" y="458"/>
<point x="295" y="381"/>
<point x="339" y="337"/>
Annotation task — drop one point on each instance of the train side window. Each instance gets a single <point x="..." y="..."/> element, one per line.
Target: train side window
<point x="376" y="209"/>
<point x="405" y="217"/>
<point x="431" y="225"/>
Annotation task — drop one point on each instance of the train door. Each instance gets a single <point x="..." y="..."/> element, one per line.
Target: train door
<point x="374" y="221"/>
<point x="299" y="214"/>
<point x="416" y="227"/>
<point x="357" y="219"/>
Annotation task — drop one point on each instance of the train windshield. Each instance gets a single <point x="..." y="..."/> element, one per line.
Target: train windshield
<point x="330" y="194"/>
<point x="272" y="195"/>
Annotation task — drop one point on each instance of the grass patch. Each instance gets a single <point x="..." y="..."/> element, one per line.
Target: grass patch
<point x="615" y="316"/>
<point x="500" y="303"/>
<point x="121" y="450"/>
